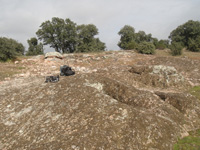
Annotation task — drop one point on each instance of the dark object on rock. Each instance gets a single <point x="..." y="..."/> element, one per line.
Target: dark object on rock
<point x="52" y="79"/>
<point x="66" y="71"/>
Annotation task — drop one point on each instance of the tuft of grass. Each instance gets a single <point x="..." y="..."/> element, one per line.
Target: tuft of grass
<point x="195" y="91"/>
<point x="191" y="142"/>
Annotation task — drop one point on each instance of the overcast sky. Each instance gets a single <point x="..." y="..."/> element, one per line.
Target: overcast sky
<point x="20" y="19"/>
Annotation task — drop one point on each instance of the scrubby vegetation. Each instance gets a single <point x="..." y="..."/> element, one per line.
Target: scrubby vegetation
<point x="10" y="49"/>
<point x="162" y="44"/>
<point x="146" y="48"/>
<point x="129" y="39"/>
<point x="184" y="36"/>
<point x="176" y="48"/>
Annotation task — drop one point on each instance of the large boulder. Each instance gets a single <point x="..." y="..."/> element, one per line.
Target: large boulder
<point x="53" y="55"/>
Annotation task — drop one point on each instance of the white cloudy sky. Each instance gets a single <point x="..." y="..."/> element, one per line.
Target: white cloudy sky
<point x="20" y="19"/>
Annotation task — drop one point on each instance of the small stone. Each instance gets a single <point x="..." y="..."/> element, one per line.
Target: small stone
<point x="16" y="62"/>
<point x="20" y="131"/>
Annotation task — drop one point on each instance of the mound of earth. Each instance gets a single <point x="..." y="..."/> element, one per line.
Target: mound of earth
<point x="110" y="103"/>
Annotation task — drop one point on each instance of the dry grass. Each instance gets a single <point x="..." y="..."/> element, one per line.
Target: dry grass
<point x="192" y="55"/>
<point x="189" y="54"/>
<point x="9" y="69"/>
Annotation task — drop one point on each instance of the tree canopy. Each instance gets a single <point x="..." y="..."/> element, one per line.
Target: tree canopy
<point x="127" y="36"/>
<point x="34" y="47"/>
<point x="67" y="37"/>
<point x="87" y="41"/>
<point x="188" y="35"/>
<point x="129" y="39"/>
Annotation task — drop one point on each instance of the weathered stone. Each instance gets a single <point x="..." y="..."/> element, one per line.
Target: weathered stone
<point x="16" y="62"/>
<point x="159" y="76"/>
<point x="53" y="55"/>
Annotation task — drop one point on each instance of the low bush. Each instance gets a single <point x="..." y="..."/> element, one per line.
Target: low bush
<point x="146" y="48"/>
<point x="132" y="45"/>
<point x="176" y="48"/>
<point x="9" y="49"/>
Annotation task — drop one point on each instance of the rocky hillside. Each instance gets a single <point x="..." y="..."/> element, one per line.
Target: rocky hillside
<point x="115" y="101"/>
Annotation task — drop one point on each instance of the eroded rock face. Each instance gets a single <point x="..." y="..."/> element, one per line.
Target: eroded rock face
<point x="88" y="112"/>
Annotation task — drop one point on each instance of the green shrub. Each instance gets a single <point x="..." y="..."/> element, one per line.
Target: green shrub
<point x="176" y="48"/>
<point x="188" y="34"/>
<point x="194" y="45"/>
<point x="162" y="44"/>
<point x="146" y="48"/>
<point x="132" y="45"/>
<point x="7" y="49"/>
<point x="10" y="48"/>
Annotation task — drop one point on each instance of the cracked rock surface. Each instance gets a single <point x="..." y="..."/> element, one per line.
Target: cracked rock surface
<point x="103" y="106"/>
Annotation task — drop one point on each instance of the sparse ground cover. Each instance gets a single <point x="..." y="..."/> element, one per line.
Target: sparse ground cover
<point x="7" y="70"/>
<point x="196" y="91"/>
<point x="189" y="54"/>
<point x="191" y="142"/>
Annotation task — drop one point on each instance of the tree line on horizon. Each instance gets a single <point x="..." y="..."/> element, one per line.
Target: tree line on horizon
<point x="65" y="36"/>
